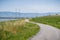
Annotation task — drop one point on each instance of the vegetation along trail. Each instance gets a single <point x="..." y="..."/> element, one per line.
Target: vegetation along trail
<point x="46" y="32"/>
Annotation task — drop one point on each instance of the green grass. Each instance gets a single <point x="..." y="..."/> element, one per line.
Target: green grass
<point x="50" y="20"/>
<point x="17" y="30"/>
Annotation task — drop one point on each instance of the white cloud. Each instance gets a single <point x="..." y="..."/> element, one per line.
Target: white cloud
<point x="39" y="9"/>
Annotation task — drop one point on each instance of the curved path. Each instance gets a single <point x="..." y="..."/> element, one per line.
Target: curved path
<point x="46" y="32"/>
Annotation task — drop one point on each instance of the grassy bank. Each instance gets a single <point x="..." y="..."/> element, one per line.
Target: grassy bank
<point x="17" y="30"/>
<point x="50" y="20"/>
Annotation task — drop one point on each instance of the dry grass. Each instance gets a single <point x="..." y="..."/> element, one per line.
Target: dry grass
<point x="17" y="30"/>
<point x="12" y="26"/>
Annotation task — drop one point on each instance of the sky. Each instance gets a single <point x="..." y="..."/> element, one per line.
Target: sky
<point x="30" y="6"/>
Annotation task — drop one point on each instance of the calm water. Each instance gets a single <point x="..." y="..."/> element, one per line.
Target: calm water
<point x="24" y="15"/>
<point x="6" y="19"/>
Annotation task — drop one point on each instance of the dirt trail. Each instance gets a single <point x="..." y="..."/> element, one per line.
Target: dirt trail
<point x="46" y="32"/>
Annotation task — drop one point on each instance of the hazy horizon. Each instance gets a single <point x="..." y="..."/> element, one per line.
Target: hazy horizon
<point x="30" y="6"/>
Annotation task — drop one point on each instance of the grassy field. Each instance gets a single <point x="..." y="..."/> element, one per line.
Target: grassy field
<point x="17" y="30"/>
<point x="50" y="20"/>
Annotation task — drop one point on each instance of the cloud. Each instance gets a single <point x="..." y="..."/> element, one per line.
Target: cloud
<point x="30" y="5"/>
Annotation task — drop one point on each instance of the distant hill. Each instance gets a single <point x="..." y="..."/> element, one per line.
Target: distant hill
<point x="9" y="14"/>
<point x="17" y="14"/>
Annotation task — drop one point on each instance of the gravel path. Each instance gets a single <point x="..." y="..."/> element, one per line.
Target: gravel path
<point x="46" y="32"/>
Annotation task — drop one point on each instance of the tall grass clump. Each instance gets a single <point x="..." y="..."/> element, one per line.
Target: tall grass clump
<point x="17" y="30"/>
